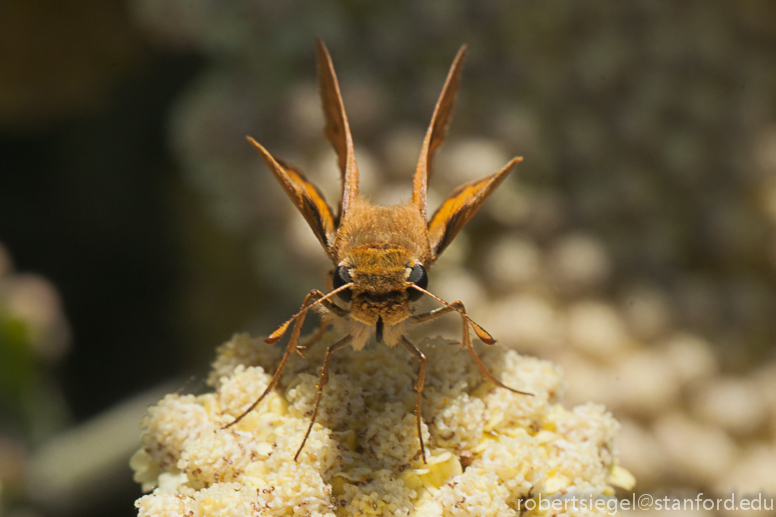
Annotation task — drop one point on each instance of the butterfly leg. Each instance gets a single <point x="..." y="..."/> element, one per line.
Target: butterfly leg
<point x="290" y="349"/>
<point x="432" y="315"/>
<point x="406" y="343"/>
<point x="314" y="338"/>
<point x="332" y="307"/>
<point x="467" y="342"/>
<point x="322" y="382"/>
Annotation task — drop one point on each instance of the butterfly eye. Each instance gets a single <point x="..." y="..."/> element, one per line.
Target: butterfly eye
<point x="418" y="277"/>
<point x="342" y="277"/>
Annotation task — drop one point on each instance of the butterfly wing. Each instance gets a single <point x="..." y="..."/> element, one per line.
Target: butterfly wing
<point x="306" y="197"/>
<point x="437" y="131"/>
<point x="337" y="130"/>
<point x="462" y="204"/>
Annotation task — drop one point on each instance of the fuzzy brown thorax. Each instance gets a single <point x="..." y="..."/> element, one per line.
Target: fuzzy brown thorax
<point x="395" y="228"/>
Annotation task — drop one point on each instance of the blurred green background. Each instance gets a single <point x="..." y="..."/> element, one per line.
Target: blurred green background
<point x="636" y="243"/>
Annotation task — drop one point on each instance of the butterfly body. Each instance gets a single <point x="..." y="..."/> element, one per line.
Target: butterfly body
<point x="381" y="254"/>
<point x="378" y="252"/>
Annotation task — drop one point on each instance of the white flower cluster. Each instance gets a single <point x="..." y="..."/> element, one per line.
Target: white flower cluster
<point x="488" y="450"/>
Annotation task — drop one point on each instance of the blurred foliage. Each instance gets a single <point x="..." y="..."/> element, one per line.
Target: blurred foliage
<point x="33" y="335"/>
<point x="59" y="57"/>
<point x="16" y="359"/>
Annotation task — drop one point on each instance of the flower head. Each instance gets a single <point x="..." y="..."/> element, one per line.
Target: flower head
<point x="488" y="450"/>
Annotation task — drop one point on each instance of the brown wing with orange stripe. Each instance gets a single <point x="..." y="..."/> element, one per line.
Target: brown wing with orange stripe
<point x="337" y="130"/>
<point x="306" y="196"/>
<point x="437" y="131"/>
<point x="462" y="204"/>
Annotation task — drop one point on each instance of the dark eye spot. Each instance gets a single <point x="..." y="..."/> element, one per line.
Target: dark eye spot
<point x="342" y="277"/>
<point x="418" y="277"/>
